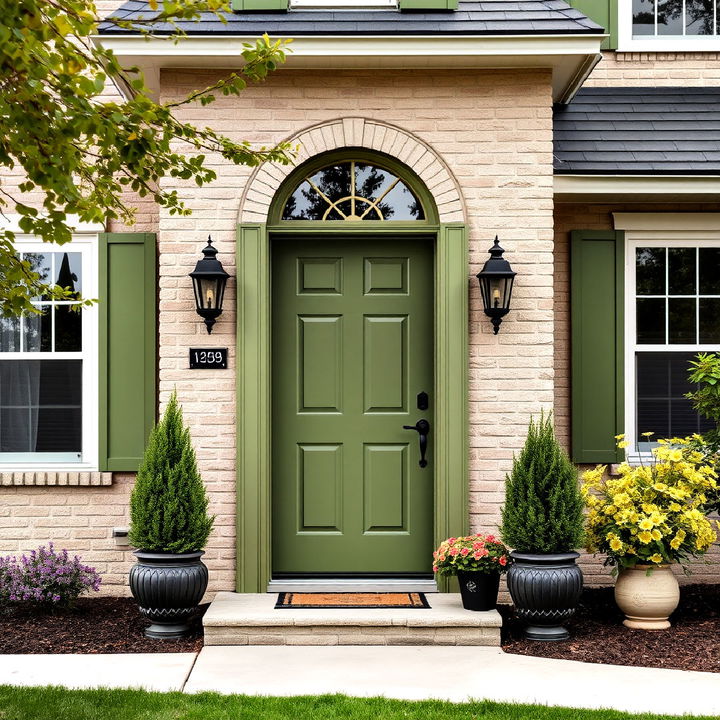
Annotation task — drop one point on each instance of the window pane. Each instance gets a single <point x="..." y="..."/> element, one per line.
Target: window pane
<point x="670" y="17"/>
<point x="661" y="404"/>
<point x="650" y="318"/>
<point x="371" y="181"/>
<point x="333" y="181"/>
<point x="9" y="334"/>
<point x="68" y="271"/>
<point x="710" y="271"/>
<point x="353" y="191"/>
<point x="709" y="320"/>
<point x="305" y="204"/>
<point x="401" y="204"/>
<point x="40" y="263"/>
<point x="59" y="430"/>
<point x="699" y="17"/>
<point x="68" y="329"/>
<point x="650" y="271"/>
<point x="681" y="271"/>
<point x="38" y="330"/>
<point x="643" y="17"/>
<point x="682" y="321"/>
<point x="41" y="406"/>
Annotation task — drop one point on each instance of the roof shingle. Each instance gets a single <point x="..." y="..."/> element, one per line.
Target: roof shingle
<point x="473" y="17"/>
<point x="637" y="131"/>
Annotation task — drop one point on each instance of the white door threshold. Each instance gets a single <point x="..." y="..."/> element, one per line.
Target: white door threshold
<point x="350" y="585"/>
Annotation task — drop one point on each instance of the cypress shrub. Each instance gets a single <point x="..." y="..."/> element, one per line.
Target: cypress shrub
<point x="168" y="505"/>
<point x="543" y="511"/>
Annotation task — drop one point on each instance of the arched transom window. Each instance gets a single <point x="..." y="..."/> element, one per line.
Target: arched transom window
<point x="353" y="191"/>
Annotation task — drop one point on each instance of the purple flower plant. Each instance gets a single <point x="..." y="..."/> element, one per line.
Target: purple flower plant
<point x="45" y="578"/>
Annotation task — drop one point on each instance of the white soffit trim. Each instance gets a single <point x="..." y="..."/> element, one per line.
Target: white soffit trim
<point x="571" y="57"/>
<point x="572" y="187"/>
<point x="685" y="223"/>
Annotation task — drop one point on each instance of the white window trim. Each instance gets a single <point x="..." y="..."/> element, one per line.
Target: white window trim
<point x="87" y="244"/>
<point x="658" y="43"/>
<point x="651" y="238"/>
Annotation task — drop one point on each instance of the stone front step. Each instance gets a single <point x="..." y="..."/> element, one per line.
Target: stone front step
<point x="251" y="619"/>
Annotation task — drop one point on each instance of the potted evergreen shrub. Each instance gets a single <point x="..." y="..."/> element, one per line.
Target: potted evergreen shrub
<point x="170" y="525"/>
<point x="542" y="519"/>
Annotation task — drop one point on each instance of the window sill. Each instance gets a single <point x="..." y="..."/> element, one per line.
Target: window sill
<point x="634" y="460"/>
<point x="56" y="479"/>
<point x="670" y="44"/>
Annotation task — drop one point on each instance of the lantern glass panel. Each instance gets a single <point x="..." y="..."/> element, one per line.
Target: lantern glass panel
<point x="211" y="293"/>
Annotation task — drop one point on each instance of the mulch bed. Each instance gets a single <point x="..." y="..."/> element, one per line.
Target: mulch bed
<point x="98" y="625"/>
<point x="597" y="634"/>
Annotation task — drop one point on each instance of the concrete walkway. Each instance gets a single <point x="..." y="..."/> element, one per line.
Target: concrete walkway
<point x="150" y="671"/>
<point x="414" y="673"/>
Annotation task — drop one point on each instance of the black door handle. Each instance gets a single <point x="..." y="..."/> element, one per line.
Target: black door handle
<point x="422" y="427"/>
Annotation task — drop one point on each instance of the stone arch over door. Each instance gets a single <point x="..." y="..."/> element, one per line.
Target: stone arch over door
<point x="361" y="133"/>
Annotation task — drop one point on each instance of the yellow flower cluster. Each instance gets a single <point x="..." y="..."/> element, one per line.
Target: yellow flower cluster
<point x="652" y="513"/>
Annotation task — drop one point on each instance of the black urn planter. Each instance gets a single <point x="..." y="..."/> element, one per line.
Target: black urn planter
<point x="546" y="590"/>
<point x="168" y="588"/>
<point x="478" y="590"/>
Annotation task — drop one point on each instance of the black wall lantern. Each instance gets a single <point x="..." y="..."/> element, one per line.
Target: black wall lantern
<point x="496" y="284"/>
<point x="209" y="280"/>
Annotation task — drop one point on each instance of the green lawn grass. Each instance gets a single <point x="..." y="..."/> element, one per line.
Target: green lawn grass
<point x="54" y="703"/>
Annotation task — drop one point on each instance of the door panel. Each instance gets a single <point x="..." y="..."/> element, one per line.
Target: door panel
<point x="385" y="363"/>
<point x="352" y="348"/>
<point x="385" y="479"/>
<point x="320" y="352"/>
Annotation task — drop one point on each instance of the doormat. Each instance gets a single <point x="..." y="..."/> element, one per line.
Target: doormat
<point x="352" y="600"/>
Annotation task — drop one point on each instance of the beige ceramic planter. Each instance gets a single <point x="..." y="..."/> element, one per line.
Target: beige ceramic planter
<point x="647" y="598"/>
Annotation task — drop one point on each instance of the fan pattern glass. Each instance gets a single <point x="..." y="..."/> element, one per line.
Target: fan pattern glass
<point x="353" y="191"/>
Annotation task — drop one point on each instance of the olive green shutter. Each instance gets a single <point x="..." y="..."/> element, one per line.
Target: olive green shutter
<point x="127" y="347"/>
<point x="259" y="5"/>
<point x="428" y="4"/>
<point x="603" y="12"/>
<point x="596" y="279"/>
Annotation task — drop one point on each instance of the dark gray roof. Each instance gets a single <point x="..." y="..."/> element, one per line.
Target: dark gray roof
<point x="639" y="131"/>
<point x="531" y="17"/>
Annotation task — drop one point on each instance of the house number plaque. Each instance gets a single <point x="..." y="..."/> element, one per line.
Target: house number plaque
<point x="208" y="358"/>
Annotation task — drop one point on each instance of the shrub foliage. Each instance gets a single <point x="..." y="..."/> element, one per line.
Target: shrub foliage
<point x="45" y="579"/>
<point x="543" y="511"/>
<point x="168" y="505"/>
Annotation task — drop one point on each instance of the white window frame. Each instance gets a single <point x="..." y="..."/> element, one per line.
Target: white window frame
<point x="627" y="42"/>
<point x="651" y="238"/>
<point x="87" y="245"/>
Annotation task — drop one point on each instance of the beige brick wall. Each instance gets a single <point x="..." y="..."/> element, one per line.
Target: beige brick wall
<point x="504" y="169"/>
<point x="652" y="69"/>
<point x="585" y="216"/>
<point x="79" y="519"/>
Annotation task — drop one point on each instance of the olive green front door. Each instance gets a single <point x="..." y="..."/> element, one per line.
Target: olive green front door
<point x="352" y="329"/>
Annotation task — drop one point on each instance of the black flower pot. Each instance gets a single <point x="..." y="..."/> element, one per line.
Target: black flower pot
<point x="168" y="588"/>
<point x="478" y="590"/>
<point x="546" y="591"/>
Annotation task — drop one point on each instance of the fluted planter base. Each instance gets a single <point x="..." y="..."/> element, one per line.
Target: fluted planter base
<point x="168" y="588"/>
<point x="546" y="591"/>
